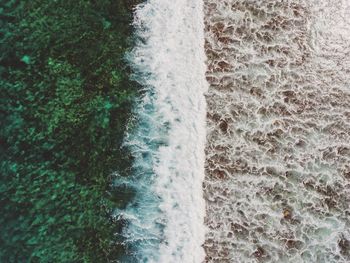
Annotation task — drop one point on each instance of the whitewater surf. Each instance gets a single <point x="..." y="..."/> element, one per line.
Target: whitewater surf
<point x="165" y="219"/>
<point x="256" y="167"/>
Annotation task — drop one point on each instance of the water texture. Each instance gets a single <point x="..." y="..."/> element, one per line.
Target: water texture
<point x="165" y="219"/>
<point x="277" y="184"/>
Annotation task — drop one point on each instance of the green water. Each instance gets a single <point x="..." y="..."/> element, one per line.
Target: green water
<point x="65" y="100"/>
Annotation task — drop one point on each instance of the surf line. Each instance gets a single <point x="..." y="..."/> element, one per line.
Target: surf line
<point x="166" y="216"/>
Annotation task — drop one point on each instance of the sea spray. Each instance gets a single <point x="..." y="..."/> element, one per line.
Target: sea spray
<point x="165" y="219"/>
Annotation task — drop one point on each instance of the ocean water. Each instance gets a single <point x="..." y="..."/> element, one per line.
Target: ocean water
<point x="164" y="221"/>
<point x="277" y="183"/>
<point x="241" y="142"/>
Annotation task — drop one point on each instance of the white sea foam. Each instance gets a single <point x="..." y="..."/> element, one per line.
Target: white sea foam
<point x="166" y="218"/>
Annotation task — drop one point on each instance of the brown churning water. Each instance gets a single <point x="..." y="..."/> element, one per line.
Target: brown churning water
<point x="277" y="185"/>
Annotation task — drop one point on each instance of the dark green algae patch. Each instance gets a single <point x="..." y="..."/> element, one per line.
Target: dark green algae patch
<point x="65" y="101"/>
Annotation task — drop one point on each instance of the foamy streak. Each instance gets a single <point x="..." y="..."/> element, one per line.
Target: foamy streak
<point x="168" y="146"/>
